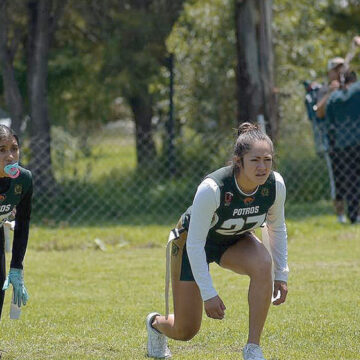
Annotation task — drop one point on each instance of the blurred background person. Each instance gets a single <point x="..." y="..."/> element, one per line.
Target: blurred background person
<point x="343" y="125"/>
<point x="336" y="69"/>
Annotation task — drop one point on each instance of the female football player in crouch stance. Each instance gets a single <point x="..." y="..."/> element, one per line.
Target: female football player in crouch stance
<point x="228" y="205"/>
<point x="15" y="191"/>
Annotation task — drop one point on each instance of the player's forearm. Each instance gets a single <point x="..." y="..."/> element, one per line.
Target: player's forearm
<point x="321" y="106"/>
<point x="21" y="231"/>
<point x="279" y="252"/>
<point x="21" y="235"/>
<point x="200" y="270"/>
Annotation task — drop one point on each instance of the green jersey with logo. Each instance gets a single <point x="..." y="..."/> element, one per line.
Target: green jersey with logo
<point x="14" y="194"/>
<point x="17" y="193"/>
<point x="238" y="212"/>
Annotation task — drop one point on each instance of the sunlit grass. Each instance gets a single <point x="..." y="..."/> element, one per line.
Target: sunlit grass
<point x="90" y="304"/>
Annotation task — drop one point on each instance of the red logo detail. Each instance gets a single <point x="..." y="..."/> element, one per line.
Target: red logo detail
<point x="249" y="200"/>
<point x="2" y="197"/>
<point x="228" y="198"/>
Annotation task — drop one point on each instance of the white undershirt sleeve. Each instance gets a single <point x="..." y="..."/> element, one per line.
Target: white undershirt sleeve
<point x="206" y="201"/>
<point x="275" y="221"/>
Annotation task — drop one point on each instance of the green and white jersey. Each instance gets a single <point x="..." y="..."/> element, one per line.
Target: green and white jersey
<point x="14" y="193"/>
<point x="17" y="193"/>
<point x="236" y="211"/>
<point x="221" y="212"/>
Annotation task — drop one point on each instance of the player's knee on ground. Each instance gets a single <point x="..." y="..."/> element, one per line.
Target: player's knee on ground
<point x="186" y="333"/>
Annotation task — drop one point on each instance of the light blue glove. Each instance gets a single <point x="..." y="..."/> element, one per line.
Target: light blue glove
<point x="16" y="278"/>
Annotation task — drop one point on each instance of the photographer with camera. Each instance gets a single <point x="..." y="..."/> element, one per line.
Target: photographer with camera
<point x="337" y="68"/>
<point x="343" y="125"/>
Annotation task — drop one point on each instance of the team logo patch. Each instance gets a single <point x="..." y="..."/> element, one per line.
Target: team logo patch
<point x="265" y="192"/>
<point x="228" y="198"/>
<point x="249" y="200"/>
<point x="174" y="249"/>
<point x="2" y="197"/>
<point x="18" y="189"/>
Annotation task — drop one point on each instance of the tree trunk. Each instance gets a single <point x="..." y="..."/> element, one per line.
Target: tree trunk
<point x="267" y="67"/>
<point x="249" y="97"/>
<point x="13" y="98"/>
<point x="254" y="71"/>
<point x="145" y="145"/>
<point x="39" y="39"/>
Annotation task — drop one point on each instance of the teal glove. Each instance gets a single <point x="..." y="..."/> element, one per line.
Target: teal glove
<point x="16" y="278"/>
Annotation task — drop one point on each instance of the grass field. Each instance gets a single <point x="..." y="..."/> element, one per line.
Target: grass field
<point x="91" y="304"/>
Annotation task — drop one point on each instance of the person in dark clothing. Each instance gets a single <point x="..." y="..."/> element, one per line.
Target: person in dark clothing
<point x="16" y="190"/>
<point x="343" y="125"/>
<point x="337" y="68"/>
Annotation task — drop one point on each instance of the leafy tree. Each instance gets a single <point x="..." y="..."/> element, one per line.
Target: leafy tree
<point x="344" y="15"/>
<point x="33" y="23"/>
<point x="255" y="65"/>
<point x="12" y="34"/>
<point x="133" y="35"/>
<point x="119" y="48"/>
<point x="203" y="41"/>
<point x="304" y="37"/>
<point x="79" y="95"/>
<point x="304" y="40"/>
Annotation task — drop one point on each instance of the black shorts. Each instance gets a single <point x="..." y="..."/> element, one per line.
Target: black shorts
<point x="214" y="252"/>
<point x="338" y="167"/>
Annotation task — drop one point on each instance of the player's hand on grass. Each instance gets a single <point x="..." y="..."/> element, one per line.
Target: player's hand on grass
<point x="215" y="308"/>
<point x="16" y="278"/>
<point x="282" y="287"/>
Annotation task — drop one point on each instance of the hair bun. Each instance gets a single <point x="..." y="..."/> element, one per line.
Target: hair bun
<point x="245" y="127"/>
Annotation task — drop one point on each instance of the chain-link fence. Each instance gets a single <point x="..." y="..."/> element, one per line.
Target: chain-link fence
<point x="96" y="177"/>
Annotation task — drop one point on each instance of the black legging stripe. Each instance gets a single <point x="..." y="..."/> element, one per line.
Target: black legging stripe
<point x="2" y="268"/>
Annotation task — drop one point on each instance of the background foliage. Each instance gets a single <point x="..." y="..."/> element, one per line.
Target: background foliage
<point x="103" y="57"/>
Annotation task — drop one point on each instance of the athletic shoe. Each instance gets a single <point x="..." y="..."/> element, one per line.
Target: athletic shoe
<point x="252" y="352"/>
<point x="157" y="343"/>
<point x="341" y="219"/>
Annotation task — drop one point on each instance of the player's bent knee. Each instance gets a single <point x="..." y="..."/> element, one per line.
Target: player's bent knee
<point x="185" y="334"/>
<point x="267" y="262"/>
<point x="263" y="265"/>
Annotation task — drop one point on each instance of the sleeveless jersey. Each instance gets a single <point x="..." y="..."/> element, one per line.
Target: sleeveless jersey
<point x="237" y="212"/>
<point x="11" y="197"/>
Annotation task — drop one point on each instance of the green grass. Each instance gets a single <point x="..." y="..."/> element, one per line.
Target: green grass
<point x="90" y="304"/>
